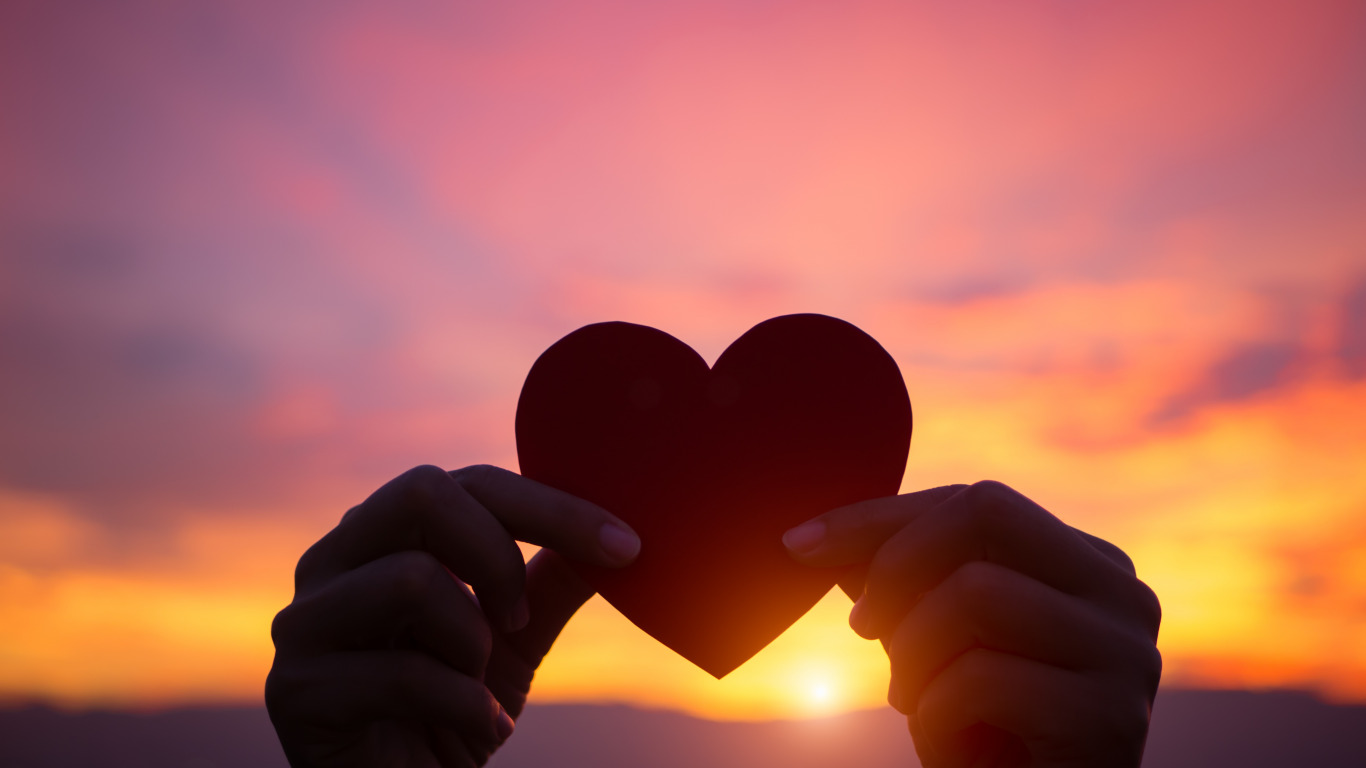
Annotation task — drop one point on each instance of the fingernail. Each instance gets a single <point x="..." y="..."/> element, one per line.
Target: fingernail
<point x="620" y="545"/>
<point x="521" y="614"/>
<point x="859" y="618"/>
<point x="504" y="725"/>
<point x="805" y="537"/>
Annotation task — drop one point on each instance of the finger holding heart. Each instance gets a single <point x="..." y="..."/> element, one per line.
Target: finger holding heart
<point x="1010" y="634"/>
<point x="415" y="625"/>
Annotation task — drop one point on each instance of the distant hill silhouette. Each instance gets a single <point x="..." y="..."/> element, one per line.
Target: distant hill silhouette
<point x="184" y="738"/>
<point x="1190" y="729"/>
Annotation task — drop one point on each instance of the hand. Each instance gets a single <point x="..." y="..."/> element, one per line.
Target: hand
<point x="1014" y="639"/>
<point x="386" y="658"/>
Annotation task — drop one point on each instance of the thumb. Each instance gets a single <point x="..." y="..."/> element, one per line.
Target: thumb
<point x="554" y="592"/>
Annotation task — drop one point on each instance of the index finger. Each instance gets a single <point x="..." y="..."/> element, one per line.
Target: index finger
<point x="852" y="534"/>
<point x="991" y="522"/>
<point x="468" y="520"/>
<point x="548" y="517"/>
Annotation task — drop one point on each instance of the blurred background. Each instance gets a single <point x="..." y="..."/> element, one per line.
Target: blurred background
<point x="256" y="258"/>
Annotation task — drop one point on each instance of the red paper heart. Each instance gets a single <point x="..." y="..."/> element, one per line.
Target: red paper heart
<point x="802" y="414"/>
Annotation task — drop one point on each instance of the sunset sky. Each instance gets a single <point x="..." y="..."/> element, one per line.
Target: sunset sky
<point x="257" y="258"/>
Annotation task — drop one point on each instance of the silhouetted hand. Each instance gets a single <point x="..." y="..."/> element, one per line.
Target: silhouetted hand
<point x="386" y="658"/>
<point x="1014" y="639"/>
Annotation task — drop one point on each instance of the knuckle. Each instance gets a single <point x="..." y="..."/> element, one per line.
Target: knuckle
<point x="1121" y="558"/>
<point x="977" y="586"/>
<point x="989" y="508"/>
<point x="1136" y="660"/>
<point x="286" y="683"/>
<point x="976" y="670"/>
<point x="412" y="575"/>
<point x="1141" y="603"/>
<point x="279" y="626"/>
<point x="1147" y="607"/>
<point x="1151" y="669"/>
<point x="277" y="690"/>
<point x="311" y="565"/>
<point x="991" y="493"/>
<point x="422" y="485"/>
<point x="1111" y="551"/>
<point x="475" y="474"/>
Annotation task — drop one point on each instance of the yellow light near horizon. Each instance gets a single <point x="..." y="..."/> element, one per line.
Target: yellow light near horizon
<point x="92" y="639"/>
<point x="1245" y="521"/>
<point x="821" y="693"/>
<point x="602" y="657"/>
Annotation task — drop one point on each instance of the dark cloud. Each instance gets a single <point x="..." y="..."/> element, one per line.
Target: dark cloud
<point x="1352" y="341"/>
<point x="1243" y="373"/>
<point x="1250" y="370"/>
<point x="100" y="397"/>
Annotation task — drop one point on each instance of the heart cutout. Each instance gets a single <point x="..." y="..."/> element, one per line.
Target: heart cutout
<point x="710" y="466"/>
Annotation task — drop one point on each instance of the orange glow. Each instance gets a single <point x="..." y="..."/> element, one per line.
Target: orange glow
<point x="1117" y="251"/>
<point x="1203" y="512"/>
